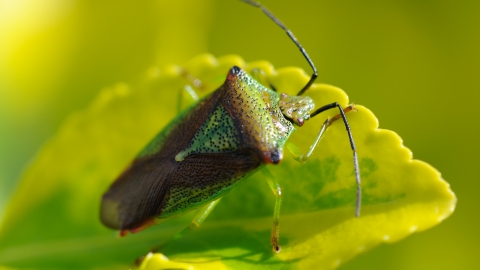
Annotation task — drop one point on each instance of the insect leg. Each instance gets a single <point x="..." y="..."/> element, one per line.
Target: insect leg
<point x="191" y="93"/>
<point x="326" y="124"/>
<point x="277" y="191"/>
<point x="196" y="222"/>
<point x="193" y="82"/>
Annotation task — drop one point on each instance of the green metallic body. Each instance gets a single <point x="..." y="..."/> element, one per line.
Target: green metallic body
<point x="204" y="152"/>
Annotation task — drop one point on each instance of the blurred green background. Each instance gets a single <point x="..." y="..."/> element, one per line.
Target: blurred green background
<point x="413" y="63"/>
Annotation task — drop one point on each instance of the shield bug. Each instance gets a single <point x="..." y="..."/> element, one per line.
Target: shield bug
<point x="210" y="147"/>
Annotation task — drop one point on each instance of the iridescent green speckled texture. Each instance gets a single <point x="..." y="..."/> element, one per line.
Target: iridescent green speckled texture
<point x="217" y="135"/>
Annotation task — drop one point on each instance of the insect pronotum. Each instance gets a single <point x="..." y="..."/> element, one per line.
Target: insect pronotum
<point x="240" y="127"/>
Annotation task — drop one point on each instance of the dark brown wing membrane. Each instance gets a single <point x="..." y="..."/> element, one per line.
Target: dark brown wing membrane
<point x="202" y="177"/>
<point x="137" y="194"/>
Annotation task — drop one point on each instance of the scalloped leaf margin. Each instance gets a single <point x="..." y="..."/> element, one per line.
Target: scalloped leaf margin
<point x="54" y="212"/>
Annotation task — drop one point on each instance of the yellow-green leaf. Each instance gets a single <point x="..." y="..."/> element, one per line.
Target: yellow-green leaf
<point x="52" y="220"/>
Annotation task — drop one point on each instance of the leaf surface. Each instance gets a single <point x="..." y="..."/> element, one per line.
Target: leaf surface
<point x="52" y="221"/>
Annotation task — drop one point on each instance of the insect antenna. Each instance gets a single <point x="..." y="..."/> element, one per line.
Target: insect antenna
<point x="293" y="38"/>
<point x="352" y="144"/>
<point x="323" y="108"/>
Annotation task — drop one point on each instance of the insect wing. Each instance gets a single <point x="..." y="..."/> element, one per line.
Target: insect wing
<point x="137" y="194"/>
<point x="201" y="178"/>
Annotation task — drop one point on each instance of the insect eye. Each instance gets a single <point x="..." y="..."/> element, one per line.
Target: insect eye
<point x="276" y="157"/>
<point x="300" y="122"/>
